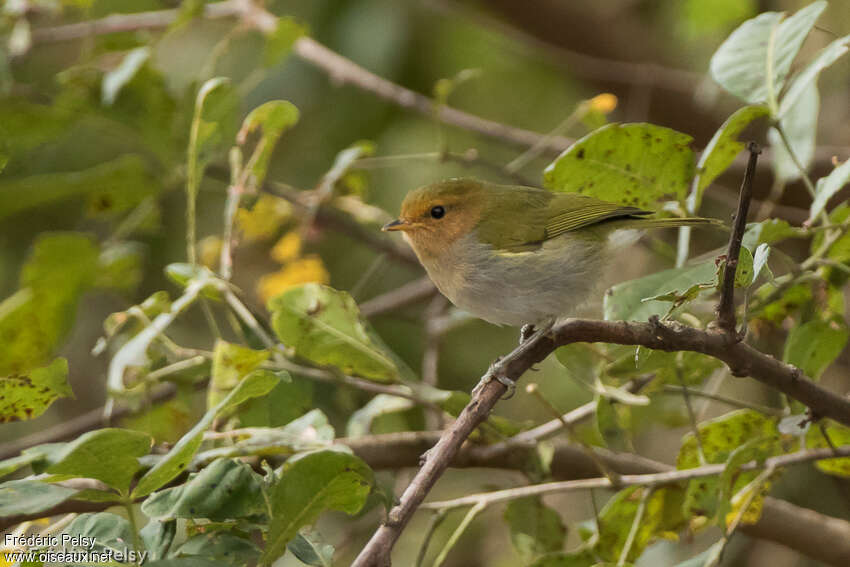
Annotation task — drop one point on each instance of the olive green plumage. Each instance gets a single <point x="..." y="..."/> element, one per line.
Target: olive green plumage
<point x="511" y="254"/>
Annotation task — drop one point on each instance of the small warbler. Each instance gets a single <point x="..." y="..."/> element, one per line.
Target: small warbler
<point x="514" y="255"/>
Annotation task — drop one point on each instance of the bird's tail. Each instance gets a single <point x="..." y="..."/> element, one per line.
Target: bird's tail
<point x="642" y="223"/>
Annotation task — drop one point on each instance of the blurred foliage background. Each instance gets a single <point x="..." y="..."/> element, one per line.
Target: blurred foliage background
<point x="115" y="160"/>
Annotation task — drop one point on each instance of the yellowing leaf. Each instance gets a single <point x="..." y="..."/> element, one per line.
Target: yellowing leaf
<point x="309" y="269"/>
<point x="753" y="502"/>
<point x="288" y="248"/>
<point x="264" y="219"/>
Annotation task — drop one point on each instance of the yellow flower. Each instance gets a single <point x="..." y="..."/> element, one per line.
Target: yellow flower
<point x="604" y="103"/>
<point x="210" y="252"/>
<point x="264" y="219"/>
<point x="288" y="248"/>
<point x="304" y="270"/>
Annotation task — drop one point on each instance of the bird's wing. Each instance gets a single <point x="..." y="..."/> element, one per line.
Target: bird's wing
<point x="568" y="211"/>
<point x="522" y="218"/>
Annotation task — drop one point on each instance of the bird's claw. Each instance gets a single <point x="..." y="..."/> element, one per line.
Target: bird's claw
<point x="525" y="333"/>
<point x="507" y="383"/>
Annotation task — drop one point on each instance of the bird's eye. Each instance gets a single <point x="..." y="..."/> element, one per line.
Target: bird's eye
<point x="438" y="212"/>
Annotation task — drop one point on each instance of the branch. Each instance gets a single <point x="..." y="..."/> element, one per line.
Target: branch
<point x="650" y="479"/>
<point x="741" y="358"/>
<point x="726" y="307"/>
<point x="411" y="292"/>
<point x="813" y="534"/>
<point x="329" y="217"/>
<point x="344" y="70"/>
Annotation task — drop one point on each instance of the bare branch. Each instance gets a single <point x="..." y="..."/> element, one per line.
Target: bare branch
<point x="650" y="479"/>
<point x="344" y="70"/>
<point x="412" y="292"/>
<point x="726" y="307"/>
<point x="741" y="358"/>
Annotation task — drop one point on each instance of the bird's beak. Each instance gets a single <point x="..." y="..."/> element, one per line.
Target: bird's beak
<point x="397" y="224"/>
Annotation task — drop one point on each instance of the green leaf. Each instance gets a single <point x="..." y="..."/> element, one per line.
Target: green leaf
<point x="309" y="432"/>
<point x="26" y="396"/>
<point x="813" y="346"/>
<point x="583" y="558"/>
<point x="579" y="360"/>
<point x="157" y="537"/>
<point x="827" y="56"/>
<point x="109" y="455"/>
<point x="720" y="437"/>
<point x="698" y="18"/>
<point x="630" y="164"/>
<point x="609" y="423"/>
<point x="223" y="490"/>
<point x="744" y="271"/>
<point x="828" y="186"/>
<point x="728" y="498"/>
<point x="114" y="80"/>
<point x="755" y="59"/>
<point x="800" y="127"/>
<point x="120" y="267"/>
<point x="309" y="484"/>
<point x="535" y="528"/>
<point x="710" y="556"/>
<point x="108" y="532"/>
<point x="273" y="118"/>
<point x="287" y="401"/>
<point x="324" y="325"/>
<point x="768" y="232"/>
<point x="29" y="496"/>
<point x="231" y="363"/>
<point x="110" y="188"/>
<point x="279" y="42"/>
<point x="213" y="126"/>
<point x="27" y="457"/>
<point x="309" y="548"/>
<point x="624" y="301"/>
<point x="837" y="435"/>
<point x="662" y="516"/>
<point x="760" y="259"/>
<point x="225" y="548"/>
<point x="723" y="148"/>
<point x="34" y="320"/>
<point x="360" y="422"/>
<point x="179" y="457"/>
<point x="183" y="273"/>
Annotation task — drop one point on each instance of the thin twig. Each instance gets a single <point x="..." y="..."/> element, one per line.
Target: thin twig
<point x="409" y="293"/>
<point x="726" y="307"/>
<point x="679" y="390"/>
<point x="342" y="70"/>
<point x="691" y="416"/>
<point x="649" y="480"/>
<point x="534" y="390"/>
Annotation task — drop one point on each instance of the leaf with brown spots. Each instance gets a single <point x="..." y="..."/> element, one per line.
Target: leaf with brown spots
<point x="25" y="396"/>
<point x="629" y="164"/>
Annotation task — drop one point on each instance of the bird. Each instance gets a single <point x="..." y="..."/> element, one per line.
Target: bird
<point x="515" y="255"/>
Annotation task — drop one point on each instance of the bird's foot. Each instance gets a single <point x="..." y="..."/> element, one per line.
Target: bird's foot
<point x="507" y="383"/>
<point x="525" y="333"/>
<point x="496" y="374"/>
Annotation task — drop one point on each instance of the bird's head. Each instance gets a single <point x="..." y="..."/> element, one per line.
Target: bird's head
<point x="434" y="216"/>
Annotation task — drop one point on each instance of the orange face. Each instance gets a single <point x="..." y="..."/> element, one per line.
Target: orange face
<point x="434" y="216"/>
